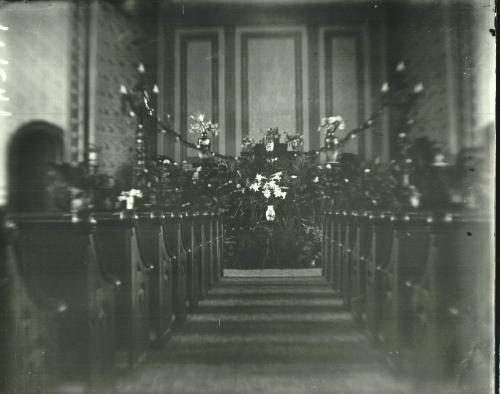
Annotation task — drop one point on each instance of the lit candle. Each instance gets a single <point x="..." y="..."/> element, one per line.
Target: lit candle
<point x="419" y="88"/>
<point x="400" y="67"/>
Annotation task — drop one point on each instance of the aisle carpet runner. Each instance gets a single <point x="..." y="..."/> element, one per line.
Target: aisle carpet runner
<point x="285" y="334"/>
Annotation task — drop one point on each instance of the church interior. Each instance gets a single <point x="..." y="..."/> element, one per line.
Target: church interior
<point x="247" y="196"/>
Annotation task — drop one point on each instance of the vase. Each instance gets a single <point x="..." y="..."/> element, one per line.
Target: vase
<point x="270" y="145"/>
<point x="331" y="139"/>
<point x="270" y="213"/>
<point x="204" y="143"/>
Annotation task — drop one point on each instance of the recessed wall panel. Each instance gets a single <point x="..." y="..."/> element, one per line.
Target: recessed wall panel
<point x="271" y="85"/>
<point x="343" y="83"/>
<point x="199" y="90"/>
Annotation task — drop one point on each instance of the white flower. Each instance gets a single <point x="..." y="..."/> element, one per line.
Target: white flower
<point x="316" y="180"/>
<point x="334" y="119"/>
<point x="123" y="89"/>
<point x="385" y="87"/>
<point x="254" y="186"/>
<point x="323" y="121"/>
<point x="141" y="68"/>
<point x="280" y="194"/>
<point x="271" y="184"/>
<point x="135" y="193"/>
<point x="201" y="117"/>
<point x="267" y="193"/>
<point x="156" y="89"/>
<point x="400" y="67"/>
<point x="277" y="176"/>
<point x="259" y="177"/>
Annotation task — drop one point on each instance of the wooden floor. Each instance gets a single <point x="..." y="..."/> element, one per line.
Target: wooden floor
<point x="286" y="335"/>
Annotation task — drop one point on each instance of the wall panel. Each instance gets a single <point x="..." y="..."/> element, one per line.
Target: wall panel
<point x="342" y="81"/>
<point x="271" y="81"/>
<point x="199" y="84"/>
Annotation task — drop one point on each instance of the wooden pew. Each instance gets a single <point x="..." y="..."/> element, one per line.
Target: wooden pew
<point x="359" y="256"/>
<point x="410" y="238"/>
<point x="117" y="245"/>
<point x="219" y="222"/>
<point x="349" y="240"/>
<point x="209" y="250"/>
<point x="172" y="229"/>
<point x="222" y="241"/>
<point x="194" y="255"/>
<point x="214" y="240"/>
<point x="4" y="304"/>
<point x="152" y="241"/>
<point x="339" y="252"/>
<point x="200" y="236"/>
<point x="453" y="319"/>
<point x="378" y="258"/>
<point x="325" y="239"/>
<point x="331" y="249"/>
<point x="61" y="306"/>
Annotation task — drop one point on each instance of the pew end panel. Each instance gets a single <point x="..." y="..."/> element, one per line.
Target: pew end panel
<point x="151" y="239"/>
<point x="188" y="224"/>
<point x="53" y="263"/>
<point x="117" y="245"/>
<point x="172" y="229"/>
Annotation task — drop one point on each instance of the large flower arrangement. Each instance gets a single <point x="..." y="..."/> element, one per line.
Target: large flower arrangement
<point x="204" y="130"/>
<point x="270" y="187"/>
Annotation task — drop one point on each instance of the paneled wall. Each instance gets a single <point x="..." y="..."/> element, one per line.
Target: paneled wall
<point x="271" y="80"/>
<point x="250" y="69"/>
<point x="199" y="81"/>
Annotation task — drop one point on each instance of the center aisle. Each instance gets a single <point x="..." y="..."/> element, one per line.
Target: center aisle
<point x="271" y="335"/>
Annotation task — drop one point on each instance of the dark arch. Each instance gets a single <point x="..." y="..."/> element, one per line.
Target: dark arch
<point x="33" y="148"/>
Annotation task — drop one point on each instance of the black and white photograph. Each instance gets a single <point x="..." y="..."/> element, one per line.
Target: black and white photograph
<point x="247" y="197"/>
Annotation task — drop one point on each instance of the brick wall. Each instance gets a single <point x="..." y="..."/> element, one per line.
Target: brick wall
<point x="434" y="41"/>
<point x="120" y="43"/>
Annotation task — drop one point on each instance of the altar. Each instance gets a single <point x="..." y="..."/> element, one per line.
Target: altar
<point x="284" y="240"/>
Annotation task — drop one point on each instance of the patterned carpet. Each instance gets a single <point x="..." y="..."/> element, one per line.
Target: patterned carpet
<point x="279" y="335"/>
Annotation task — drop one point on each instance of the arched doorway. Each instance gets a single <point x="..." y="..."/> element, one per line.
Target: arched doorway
<point x="33" y="149"/>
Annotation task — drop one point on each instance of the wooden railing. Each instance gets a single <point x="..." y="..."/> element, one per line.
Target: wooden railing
<point x="83" y="298"/>
<point x="419" y="284"/>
